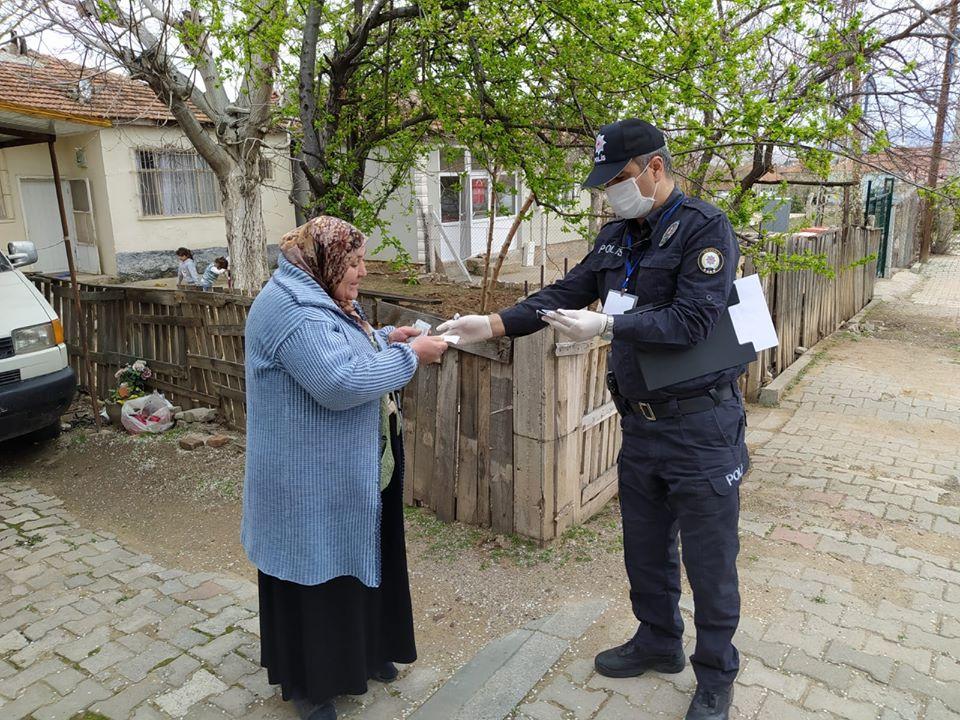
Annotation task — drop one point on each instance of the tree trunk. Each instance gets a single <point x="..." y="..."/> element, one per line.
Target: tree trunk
<point x="246" y="233"/>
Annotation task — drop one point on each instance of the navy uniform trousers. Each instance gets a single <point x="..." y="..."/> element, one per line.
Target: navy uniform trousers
<point x="681" y="475"/>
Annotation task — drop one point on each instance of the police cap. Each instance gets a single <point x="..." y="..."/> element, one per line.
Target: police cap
<point x="617" y="144"/>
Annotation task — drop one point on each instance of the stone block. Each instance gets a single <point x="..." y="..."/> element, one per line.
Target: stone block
<point x="192" y="441"/>
<point x="202" y="685"/>
<point x="218" y="441"/>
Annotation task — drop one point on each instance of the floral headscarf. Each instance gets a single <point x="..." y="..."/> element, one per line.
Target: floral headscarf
<point x="323" y="247"/>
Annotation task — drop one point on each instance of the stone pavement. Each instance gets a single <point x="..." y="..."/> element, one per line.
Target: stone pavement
<point x="86" y="625"/>
<point x="850" y="565"/>
<point x="850" y="577"/>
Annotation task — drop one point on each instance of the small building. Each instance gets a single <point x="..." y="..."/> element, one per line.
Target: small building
<point x="134" y="187"/>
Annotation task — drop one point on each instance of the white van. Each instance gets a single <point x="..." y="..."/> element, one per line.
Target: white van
<point x="36" y="382"/>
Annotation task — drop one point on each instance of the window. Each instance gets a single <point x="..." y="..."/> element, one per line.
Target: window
<point x="480" y="196"/>
<point x="507" y="195"/>
<point x="176" y="182"/>
<point x="82" y="212"/>
<point x="449" y="198"/>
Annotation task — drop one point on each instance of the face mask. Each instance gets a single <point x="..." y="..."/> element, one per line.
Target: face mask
<point x="627" y="201"/>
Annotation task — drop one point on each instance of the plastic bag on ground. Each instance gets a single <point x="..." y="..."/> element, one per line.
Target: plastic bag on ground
<point x="150" y="413"/>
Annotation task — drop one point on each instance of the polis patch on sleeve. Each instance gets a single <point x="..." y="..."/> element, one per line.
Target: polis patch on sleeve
<point x="710" y="261"/>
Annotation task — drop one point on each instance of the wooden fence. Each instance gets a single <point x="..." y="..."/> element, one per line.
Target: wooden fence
<point x="518" y="436"/>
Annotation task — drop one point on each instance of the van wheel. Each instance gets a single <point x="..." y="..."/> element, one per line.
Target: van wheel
<point x="50" y="432"/>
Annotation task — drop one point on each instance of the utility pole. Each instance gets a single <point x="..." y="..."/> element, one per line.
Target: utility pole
<point x="936" y="152"/>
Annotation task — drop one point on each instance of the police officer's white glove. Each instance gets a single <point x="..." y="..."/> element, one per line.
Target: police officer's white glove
<point x="470" y="328"/>
<point x="577" y="325"/>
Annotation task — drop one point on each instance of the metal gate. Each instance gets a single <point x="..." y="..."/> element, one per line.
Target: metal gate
<point x="879" y="204"/>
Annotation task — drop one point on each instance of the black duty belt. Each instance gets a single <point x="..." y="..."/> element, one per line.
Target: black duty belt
<point x="678" y="406"/>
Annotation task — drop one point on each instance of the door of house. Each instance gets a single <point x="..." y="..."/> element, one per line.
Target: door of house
<point x="879" y="204"/>
<point x="42" y="219"/>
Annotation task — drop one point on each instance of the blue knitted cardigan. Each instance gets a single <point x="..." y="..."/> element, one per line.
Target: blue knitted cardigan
<point x="311" y="498"/>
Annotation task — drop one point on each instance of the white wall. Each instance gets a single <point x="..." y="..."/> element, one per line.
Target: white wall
<point x="33" y="161"/>
<point x="135" y="233"/>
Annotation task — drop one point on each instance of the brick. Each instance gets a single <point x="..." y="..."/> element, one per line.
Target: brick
<point x="34" y="697"/>
<point x="13" y="686"/>
<point x="65" y="680"/>
<point x="219" y="441"/>
<point x="192" y="441"/>
<point x="82" y="697"/>
<point x="80" y="648"/>
<point x="121" y="705"/>
<point x="202" y="685"/>
<point x="135" y="669"/>
<point x="879" y="668"/>
<point x="581" y="702"/>
<point x="234" y="701"/>
<point x="789" y="686"/>
<point x="218" y="624"/>
<point x="835" y="676"/>
<point x="796" y="537"/>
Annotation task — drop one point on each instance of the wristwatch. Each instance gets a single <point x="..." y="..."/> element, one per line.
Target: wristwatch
<point x="606" y="333"/>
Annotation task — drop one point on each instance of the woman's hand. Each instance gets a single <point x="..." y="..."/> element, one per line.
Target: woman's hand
<point x="402" y="334"/>
<point x="429" y="348"/>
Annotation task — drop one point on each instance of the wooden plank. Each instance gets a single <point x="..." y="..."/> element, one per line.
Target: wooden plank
<point x="224" y="366"/>
<point x="410" y="393"/>
<point x="535" y="433"/>
<point x="163" y="320"/>
<point x="467" y="450"/>
<point x="229" y="392"/>
<point x="598" y="485"/>
<point x="483" y="440"/>
<point x="230" y="330"/>
<point x="502" y="441"/>
<point x="389" y="314"/>
<point x="570" y="377"/>
<point x="180" y="391"/>
<point x="116" y="358"/>
<point x="597" y="416"/>
<point x="156" y="297"/>
<point x="443" y="494"/>
<point x="426" y="429"/>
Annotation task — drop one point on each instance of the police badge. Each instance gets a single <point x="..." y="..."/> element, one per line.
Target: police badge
<point x="668" y="233"/>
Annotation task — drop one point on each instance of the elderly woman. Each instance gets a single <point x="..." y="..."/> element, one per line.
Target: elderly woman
<point x="322" y="503"/>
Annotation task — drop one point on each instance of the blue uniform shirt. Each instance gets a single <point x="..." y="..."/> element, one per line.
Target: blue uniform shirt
<point x="681" y="291"/>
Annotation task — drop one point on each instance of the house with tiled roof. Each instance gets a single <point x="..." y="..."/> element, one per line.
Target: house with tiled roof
<point x="134" y="187"/>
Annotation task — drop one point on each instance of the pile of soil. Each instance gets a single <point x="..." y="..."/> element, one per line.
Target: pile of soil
<point x="442" y="297"/>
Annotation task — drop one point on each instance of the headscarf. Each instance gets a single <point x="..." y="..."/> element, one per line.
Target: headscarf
<point x="322" y="247"/>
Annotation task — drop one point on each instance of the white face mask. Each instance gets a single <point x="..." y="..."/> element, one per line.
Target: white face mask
<point x="627" y="201"/>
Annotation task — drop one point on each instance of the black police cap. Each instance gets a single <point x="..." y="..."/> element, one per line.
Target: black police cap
<point x="617" y="144"/>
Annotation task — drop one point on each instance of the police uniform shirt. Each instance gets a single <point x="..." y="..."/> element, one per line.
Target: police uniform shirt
<point x="685" y="260"/>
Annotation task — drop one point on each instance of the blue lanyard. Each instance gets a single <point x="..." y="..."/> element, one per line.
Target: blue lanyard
<point x="663" y="218"/>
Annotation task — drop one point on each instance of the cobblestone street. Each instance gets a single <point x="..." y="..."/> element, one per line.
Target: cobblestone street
<point x="850" y="539"/>
<point x="849" y="570"/>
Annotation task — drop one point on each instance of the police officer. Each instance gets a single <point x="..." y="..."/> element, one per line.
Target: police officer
<point x="664" y="271"/>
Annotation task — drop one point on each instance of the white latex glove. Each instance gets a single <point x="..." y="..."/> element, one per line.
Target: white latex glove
<point x="469" y="328"/>
<point x="577" y="325"/>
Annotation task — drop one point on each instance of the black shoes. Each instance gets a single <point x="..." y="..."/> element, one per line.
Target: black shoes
<point x="710" y="705"/>
<point x="386" y="672"/>
<point x="629" y="660"/>
<point x="311" y="711"/>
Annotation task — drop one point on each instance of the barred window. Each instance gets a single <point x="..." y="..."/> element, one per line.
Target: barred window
<point x="176" y="182"/>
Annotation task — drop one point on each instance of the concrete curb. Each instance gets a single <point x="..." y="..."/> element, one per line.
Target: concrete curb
<point x="491" y="685"/>
<point x="770" y="395"/>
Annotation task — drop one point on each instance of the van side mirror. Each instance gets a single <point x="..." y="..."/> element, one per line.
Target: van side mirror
<point x="22" y="252"/>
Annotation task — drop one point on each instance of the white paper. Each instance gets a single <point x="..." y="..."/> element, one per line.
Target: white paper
<point x="617" y="303"/>
<point x="423" y="326"/>
<point x="451" y="339"/>
<point x="751" y="316"/>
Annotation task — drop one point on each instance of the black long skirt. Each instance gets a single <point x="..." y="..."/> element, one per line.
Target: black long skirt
<point x="320" y="641"/>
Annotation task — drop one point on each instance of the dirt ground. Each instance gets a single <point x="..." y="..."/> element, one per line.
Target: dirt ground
<point x="184" y="508"/>
<point x="469" y="585"/>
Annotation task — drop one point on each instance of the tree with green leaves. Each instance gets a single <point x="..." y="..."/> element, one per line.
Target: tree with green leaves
<point x="214" y="65"/>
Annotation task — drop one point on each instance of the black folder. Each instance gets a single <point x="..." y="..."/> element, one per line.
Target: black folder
<point x="719" y="351"/>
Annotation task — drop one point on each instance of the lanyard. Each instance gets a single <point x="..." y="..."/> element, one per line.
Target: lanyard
<point x="663" y="218"/>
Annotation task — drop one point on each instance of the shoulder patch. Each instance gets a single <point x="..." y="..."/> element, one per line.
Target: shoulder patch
<point x="710" y="261"/>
